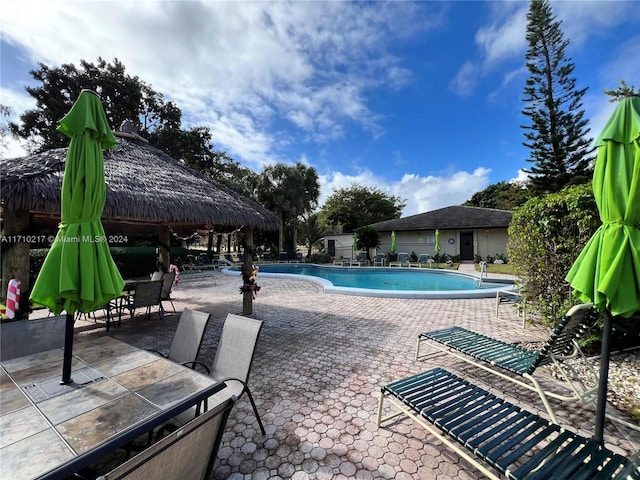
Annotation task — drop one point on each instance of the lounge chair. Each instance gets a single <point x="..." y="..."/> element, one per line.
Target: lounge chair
<point x="496" y="356"/>
<point x="401" y="261"/>
<point x="379" y="260"/>
<point x="266" y="258"/>
<point x="423" y="259"/>
<point x="361" y="259"/>
<point x="488" y="431"/>
<point x="283" y="257"/>
<point x="512" y="296"/>
<point x="342" y="261"/>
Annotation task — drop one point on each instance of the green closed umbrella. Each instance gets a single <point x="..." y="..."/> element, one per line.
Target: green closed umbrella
<point x="78" y="273"/>
<point x="394" y="245"/>
<point x="437" y="246"/>
<point x="607" y="271"/>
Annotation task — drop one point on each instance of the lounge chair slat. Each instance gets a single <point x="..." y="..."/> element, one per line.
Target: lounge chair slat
<point x="565" y="463"/>
<point x="502" y="443"/>
<point x="560" y="456"/>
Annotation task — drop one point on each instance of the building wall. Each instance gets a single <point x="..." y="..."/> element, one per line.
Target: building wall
<point x="485" y="242"/>
<point x="343" y="244"/>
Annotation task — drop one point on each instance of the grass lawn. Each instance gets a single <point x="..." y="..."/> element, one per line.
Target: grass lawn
<point x="498" y="268"/>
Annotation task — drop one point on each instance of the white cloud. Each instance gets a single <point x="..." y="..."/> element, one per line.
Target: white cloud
<point x="502" y="38"/>
<point x="18" y="101"/>
<point x="466" y="79"/>
<point x="523" y="177"/>
<point x="429" y="193"/>
<point x="239" y="67"/>
<point x="422" y="194"/>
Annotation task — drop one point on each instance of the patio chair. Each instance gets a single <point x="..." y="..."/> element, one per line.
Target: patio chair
<point x="401" y="261"/>
<point x="26" y="337"/>
<point x="496" y="356"/>
<point x="232" y="364"/>
<point x="165" y="294"/>
<point x="187" y="340"/>
<point x="283" y="257"/>
<point x="190" y="264"/>
<point x="234" y="356"/>
<point x="266" y="258"/>
<point x="187" y="453"/>
<point x="146" y="295"/>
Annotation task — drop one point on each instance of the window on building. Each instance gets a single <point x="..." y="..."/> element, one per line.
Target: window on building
<point x="431" y="239"/>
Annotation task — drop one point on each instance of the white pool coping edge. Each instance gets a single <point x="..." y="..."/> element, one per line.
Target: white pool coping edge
<point x="508" y="285"/>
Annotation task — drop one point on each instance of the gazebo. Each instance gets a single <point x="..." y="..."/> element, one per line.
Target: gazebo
<point x="145" y="188"/>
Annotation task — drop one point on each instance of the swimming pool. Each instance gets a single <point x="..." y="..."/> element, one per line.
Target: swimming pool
<point x="385" y="281"/>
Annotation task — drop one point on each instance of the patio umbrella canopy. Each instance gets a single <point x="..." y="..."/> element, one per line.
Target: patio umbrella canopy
<point x="607" y="271"/>
<point x="78" y="273"/>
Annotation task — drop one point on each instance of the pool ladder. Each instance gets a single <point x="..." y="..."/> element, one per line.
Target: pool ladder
<point x="483" y="271"/>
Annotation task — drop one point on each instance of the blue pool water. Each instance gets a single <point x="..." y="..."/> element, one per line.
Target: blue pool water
<point x="387" y="282"/>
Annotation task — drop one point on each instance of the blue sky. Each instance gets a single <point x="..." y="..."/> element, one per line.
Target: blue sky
<point x="419" y="99"/>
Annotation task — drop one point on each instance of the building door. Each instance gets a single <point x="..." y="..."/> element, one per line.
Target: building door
<point x="466" y="246"/>
<point x="331" y="247"/>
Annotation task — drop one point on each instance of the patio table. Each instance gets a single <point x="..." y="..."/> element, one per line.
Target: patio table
<point x="118" y="393"/>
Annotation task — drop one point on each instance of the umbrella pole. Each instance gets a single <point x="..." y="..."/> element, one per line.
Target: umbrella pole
<point x="605" y="353"/>
<point x="68" y="347"/>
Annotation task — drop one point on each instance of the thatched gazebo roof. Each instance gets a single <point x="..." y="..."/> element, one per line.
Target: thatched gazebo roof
<point x="144" y="186"/>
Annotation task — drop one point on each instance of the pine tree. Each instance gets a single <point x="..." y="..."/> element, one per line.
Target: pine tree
<point x="560" y="150"/>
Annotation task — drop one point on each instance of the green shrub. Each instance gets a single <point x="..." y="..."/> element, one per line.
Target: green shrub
<point x="546" y="235"/>
<point x="320" y="257"/>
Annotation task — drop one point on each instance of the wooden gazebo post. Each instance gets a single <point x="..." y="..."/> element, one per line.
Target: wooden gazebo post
<point x="15" y="255"/>
<point x="164" y="238"/>
<point x="247" y="267"/>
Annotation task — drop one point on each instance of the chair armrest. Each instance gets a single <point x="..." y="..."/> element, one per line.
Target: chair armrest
<point x="193" y="366"/>
<point x="156" y="351"/>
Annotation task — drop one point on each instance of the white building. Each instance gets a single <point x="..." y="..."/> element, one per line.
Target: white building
<point x="464" y="231"/>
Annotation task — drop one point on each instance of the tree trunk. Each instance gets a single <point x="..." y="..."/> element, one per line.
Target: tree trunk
<point x="15" y="258"/>
<point x="247" y="267"/>
<point x="280" y="232"/>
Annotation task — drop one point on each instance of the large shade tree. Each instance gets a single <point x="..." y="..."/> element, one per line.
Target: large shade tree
<point x="290" y="192"/>
<point x="559" y="148"/>
<point x="358" y="206"/>
<point x="501" y="195"/>
<point x="125" y="98"/>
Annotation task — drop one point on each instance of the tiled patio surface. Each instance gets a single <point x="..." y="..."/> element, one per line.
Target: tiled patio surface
<point x="319" y="365"/>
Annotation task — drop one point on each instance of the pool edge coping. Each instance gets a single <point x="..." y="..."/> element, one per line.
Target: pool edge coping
<point x="328" y="287"/>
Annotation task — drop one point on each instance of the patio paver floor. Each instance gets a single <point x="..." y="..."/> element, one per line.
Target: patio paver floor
<point x="318" y="368"/>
